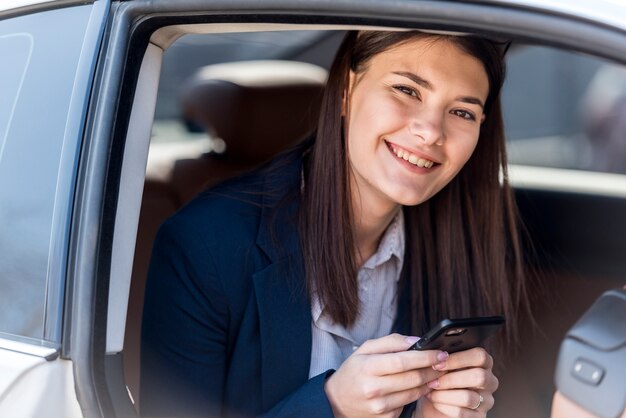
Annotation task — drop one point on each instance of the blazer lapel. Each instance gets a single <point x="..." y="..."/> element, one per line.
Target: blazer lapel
<point x="282" y="299"/>
<point x="285" y="330"/>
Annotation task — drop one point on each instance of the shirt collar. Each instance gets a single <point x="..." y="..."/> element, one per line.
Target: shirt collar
<point x="391" y="244"/>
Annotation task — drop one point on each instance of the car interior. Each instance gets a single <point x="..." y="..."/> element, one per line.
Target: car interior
<point x="230" y="101"/>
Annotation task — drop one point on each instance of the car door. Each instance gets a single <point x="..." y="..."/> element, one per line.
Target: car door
<point x="48" y="52"/>
<point x="111" y="170"/>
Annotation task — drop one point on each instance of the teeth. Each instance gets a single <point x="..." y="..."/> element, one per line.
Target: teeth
<point x="413" y="159"/>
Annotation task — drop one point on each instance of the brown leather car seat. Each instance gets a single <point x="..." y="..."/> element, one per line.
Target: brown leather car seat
<point x="252" y="110"/>
<point x="275" y="104"/>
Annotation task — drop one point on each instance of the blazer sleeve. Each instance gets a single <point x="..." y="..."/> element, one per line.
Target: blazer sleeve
<point x="308" y="401"/>
<point x="184" y="329"/>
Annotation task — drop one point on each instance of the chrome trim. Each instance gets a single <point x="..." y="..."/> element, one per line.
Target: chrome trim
<point x="16" y="4"/>
<point x="13" y="8"/>
<point x="36" y="348"/>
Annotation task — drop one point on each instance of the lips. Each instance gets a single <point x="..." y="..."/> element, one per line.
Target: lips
<point x="414" y="159"/>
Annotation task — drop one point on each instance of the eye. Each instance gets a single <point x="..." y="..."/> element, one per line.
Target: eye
<point x="464" y="114"/>
<point x="409" y="91"/>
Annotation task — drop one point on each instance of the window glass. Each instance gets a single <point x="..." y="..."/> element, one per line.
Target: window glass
<point x="40" y="55"/>
<point x="565" y="110"/>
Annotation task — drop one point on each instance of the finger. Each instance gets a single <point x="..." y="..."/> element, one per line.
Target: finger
<point x="462" y="398"/>
<point x="403" y="381"/>
<point x="392" y="343"/>
<point x="394" y="363"/>
<point x="475" y="357"/>
<point x="455" y="411"/>
<point x="381" y="408"/>
<point x="427" y="409"/>
<point x="468" y="378"/>
<point x="396" y="400"/>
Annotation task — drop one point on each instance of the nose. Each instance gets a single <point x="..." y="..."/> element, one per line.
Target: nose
<point x="427" y="127"/>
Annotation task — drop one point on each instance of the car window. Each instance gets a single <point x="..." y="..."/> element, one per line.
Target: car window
<point x="561" y="109"/>
<point x="38" y="152"/>
<point x="565" y="110"/>
<point x="192" y="52"/>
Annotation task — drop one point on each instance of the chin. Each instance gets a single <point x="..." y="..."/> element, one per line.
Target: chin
<point x="412" y="201"/>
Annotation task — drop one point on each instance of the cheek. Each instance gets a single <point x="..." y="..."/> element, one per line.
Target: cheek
<point x="464" y="145"/>
<point x="361" y="149"/>
<point x="362" y="138"/>
<point x="374" y="115"/>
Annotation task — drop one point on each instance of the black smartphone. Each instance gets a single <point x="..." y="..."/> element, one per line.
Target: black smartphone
<point x="454" y="335"/>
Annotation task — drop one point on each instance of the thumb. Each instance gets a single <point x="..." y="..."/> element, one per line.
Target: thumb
<point x="392" y="343"/>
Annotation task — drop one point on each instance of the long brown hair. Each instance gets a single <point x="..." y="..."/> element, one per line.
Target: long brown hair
<point x="463" y="255"/>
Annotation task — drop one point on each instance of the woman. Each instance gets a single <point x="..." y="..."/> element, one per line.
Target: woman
<point x="277" y="294"/>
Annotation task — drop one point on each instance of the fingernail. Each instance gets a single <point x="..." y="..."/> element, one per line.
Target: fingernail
<point x="433" y="384"/>
<point x="442" y="356"/>
<point x="439" y="366"/>
<point x="411" y="340"/>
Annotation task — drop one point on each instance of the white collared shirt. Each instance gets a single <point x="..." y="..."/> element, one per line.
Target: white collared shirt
<point x="378" y="282"/>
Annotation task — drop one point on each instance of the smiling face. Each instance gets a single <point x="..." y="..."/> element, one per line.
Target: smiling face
<point x="414" y="117"/>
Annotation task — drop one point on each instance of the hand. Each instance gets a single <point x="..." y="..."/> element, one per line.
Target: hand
<point x="379" y="378"/>
<point x="458" y="393"/>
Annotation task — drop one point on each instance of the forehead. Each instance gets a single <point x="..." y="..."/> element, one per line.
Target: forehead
<point x="439" y="60"/>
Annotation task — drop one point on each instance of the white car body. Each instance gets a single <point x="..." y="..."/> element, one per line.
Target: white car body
<point x="70" y="365"/>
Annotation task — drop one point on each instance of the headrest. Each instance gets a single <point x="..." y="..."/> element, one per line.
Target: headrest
<point x="257" y="108"/>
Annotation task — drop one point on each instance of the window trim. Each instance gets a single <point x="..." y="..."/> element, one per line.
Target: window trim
<point x="38" y="348"/>
<point x="16" y="8"/>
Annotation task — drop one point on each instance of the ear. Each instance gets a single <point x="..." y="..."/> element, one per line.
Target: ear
<point x="345" y="100"/>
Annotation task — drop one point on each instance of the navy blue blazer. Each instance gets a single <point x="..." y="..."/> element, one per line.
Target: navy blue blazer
<point x="227" y="319"/>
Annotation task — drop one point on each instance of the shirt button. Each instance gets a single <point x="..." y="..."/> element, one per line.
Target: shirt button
<point x="355" y="347"/>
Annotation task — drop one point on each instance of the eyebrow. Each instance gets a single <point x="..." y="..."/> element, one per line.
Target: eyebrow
<point x="424" y="83"/>
<point x="472" y="100"/>
<point x="415" y="78"/>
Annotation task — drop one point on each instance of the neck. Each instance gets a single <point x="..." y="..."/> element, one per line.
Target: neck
<point x="370" y="222"/>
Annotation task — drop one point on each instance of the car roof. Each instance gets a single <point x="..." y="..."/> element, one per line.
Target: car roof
<point x="609" y="12"/>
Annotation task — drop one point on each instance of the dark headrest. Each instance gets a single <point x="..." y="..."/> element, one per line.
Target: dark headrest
<point x="256" y="107"/>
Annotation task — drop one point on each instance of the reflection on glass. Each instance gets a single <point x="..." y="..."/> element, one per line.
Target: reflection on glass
<point x="603" y="111"/>
<point x="565" y="110"/>
<point x="36" y="181"/>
